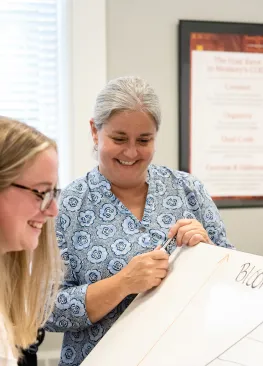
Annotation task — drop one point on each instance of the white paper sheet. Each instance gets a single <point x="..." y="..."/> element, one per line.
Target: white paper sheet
<point x="206" y="312"/>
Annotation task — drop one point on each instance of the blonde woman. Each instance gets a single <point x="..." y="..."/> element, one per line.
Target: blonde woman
<point x="30" y="265"/>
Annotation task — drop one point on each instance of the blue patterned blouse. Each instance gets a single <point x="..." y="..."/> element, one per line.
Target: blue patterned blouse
<point x="98" y="236"/>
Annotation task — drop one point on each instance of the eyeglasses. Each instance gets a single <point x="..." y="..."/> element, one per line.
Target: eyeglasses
<point x="46" y="197"/>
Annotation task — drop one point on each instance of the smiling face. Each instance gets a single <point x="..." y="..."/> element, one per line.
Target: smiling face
<point x="21" y="219"/>
<point x="126" y="146"/>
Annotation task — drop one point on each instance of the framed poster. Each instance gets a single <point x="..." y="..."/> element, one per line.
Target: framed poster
<point x="221" y="109"/>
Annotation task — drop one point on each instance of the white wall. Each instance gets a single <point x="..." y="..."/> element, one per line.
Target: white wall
<point x="88" y="75"/>
<point x="142" y="40"/>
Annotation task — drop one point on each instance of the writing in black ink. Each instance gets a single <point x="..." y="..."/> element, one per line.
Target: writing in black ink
<point x="250" y="276"/>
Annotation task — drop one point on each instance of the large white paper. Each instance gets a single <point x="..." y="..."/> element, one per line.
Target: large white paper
<point x="208" y="311"/>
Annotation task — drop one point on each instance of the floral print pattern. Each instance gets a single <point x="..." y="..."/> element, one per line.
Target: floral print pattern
<point x="86" y="218"/>
<point x="92" y="276"/>
<point x="108" y="212"/>
<point x="129" y="226"/>
<point x="116" y="265"/>
<point x="106" y="231"/>
<point x="121" y="247"/>
<point x="97" y="254"/>
<point x="81" y="240"/>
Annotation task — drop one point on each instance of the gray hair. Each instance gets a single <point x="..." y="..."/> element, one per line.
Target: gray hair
<point x="126" y="93"/>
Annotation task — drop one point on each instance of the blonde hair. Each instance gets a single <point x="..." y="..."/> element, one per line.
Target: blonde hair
<point x="29" y="281"/>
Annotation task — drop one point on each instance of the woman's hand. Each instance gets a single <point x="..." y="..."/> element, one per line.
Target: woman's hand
<point x="189" y="232"/>
<point x="144" y="271"/>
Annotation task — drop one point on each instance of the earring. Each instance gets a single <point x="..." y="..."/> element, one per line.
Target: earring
<point x="96" y="147"/>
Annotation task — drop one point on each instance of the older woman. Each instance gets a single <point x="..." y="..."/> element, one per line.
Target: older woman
<point x="30" y="263"/>
<point x="112" y="220"/>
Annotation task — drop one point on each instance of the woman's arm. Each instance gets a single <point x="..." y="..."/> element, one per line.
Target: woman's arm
<point x="141" y="274"/>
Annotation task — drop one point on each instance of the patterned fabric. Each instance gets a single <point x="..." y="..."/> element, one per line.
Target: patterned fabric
<point x="98" y="236"/>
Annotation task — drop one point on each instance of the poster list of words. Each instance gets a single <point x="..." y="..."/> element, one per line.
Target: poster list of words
<point x="227" y="122"/>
